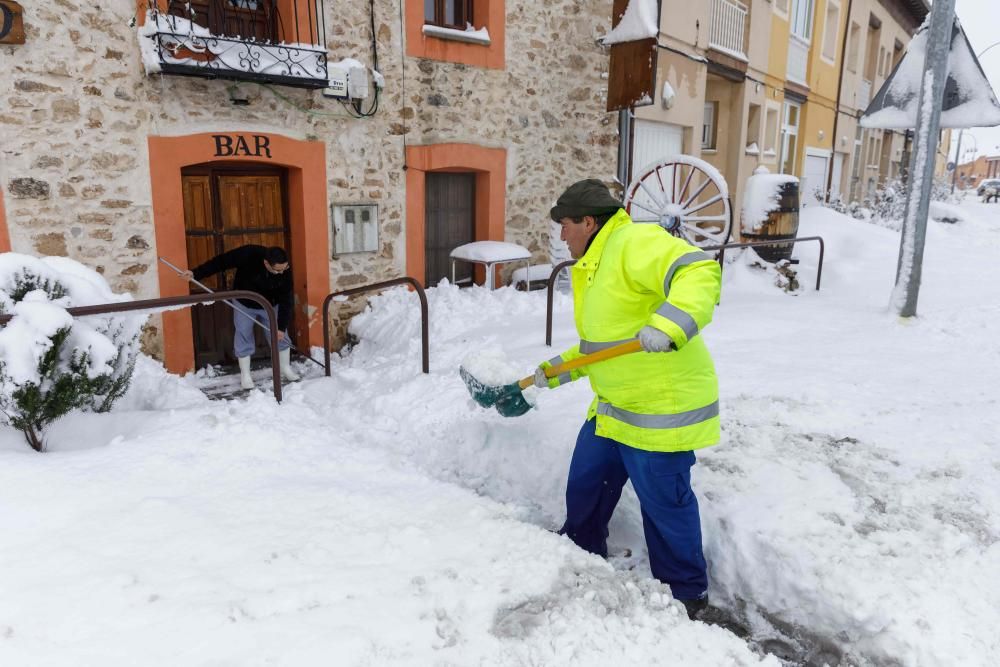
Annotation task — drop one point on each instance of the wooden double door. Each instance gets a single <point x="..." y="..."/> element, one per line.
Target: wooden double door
<point x="225" y="208"/>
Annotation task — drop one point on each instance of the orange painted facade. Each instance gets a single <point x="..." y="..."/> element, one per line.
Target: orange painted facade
<point x="490" y="167"/>
<point x="305" y="162"/>
<point x="4" y="234"/>
<point x="486" y="13"/>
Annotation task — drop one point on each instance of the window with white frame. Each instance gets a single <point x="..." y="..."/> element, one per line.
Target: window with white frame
<point x="856" y="166"/>
<point x="771" y="127"/>
<point x="830" y="30"/>
<point x="854" y="48"/>
<point x="790" y="136"/>
<point x="753" y="130"/>
<point x="708" y="126"/>
<point x="802" y="19"/>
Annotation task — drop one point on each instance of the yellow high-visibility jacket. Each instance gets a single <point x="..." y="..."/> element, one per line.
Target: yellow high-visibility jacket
<point x="632" y="275"/>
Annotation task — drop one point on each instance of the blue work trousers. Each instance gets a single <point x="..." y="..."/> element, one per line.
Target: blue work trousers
<point x="662" y="481"/>
<point x="243" y="318"/>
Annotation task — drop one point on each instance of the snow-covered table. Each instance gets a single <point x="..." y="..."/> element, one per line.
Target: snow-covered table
<point x="490" y="254"/>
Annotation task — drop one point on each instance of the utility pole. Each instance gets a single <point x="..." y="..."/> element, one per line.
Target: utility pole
<point x="958" y="161"/>
<point x="931" y="99"/>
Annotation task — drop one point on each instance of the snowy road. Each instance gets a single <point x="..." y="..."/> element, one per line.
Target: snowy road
<point x="378" y="517"/>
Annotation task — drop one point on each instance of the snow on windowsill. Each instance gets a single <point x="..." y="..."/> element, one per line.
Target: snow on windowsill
<point x="752" y="149"/>
<point x="469" y="35"/>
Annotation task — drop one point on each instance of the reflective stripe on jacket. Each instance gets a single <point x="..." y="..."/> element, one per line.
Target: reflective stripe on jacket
<point x="633" y="275"/>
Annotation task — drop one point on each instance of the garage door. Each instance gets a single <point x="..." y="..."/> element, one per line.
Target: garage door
<point x="813" y="178"/>
<point x="653" y="141"/>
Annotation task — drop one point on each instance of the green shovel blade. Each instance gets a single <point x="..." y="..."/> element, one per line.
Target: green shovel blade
<point x="507" y="399"/>
<point x="513" y="403"/>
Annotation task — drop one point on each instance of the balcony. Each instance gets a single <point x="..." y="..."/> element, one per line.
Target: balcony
<point x="728" y="28"/>
<point x="864" y="94"/>
<point x="266" y="41"/>
<point x="798" y="60"/>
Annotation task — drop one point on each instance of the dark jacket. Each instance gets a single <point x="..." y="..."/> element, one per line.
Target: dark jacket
<point x="252" y="275"/>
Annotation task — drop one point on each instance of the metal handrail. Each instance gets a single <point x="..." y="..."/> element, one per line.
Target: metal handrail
<point x="406" y="280"/>
<point x="822" y="250"/>
<point x="549" y="288"/>
<point x="189" y="300"/>
<point x="722" y="253"/>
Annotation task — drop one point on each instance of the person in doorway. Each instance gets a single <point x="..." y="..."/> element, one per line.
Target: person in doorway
<point x="265" y="271"/>
<point x="653" y="408"/>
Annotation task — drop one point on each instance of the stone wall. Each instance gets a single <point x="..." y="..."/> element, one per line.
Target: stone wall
<point x="78" y="108"/>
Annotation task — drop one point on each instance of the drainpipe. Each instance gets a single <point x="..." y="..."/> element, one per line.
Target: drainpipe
<point x="836" y="113"/>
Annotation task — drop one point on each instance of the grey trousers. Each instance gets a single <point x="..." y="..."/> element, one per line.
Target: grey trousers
<point x="243" y="341"/>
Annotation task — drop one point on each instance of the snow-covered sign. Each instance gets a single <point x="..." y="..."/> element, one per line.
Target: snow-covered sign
<point x="632" y="68"/>
<point x="969" y="101"/>
<point x="641" y="20"/>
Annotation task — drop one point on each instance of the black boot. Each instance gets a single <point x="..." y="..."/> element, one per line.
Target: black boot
<point x="695" y="607"/>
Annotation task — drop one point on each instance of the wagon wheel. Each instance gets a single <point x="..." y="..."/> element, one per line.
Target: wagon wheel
<point x="686" y="196"/>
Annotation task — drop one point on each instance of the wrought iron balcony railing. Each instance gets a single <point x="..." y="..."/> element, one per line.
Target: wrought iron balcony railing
<point x="268" y="41"/>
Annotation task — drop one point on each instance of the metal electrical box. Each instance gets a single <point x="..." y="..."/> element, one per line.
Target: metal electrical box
<point x="355" y="228"/>
<point x="338" y="83"/>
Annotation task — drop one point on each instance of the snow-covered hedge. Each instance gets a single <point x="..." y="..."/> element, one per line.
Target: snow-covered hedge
<point x="887" y="204"/>
<point x="50" y="362"/>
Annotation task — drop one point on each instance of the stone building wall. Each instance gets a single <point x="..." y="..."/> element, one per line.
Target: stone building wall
<point x="78" y="107"/>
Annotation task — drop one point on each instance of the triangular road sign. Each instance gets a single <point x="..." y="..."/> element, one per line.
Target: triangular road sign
<point x="969" y="101"/>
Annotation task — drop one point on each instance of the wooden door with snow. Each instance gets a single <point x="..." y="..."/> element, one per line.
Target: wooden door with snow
<point x="686" y="196"/>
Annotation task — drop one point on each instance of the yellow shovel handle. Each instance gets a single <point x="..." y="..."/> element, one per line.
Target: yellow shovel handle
<point x="587" y="359"/>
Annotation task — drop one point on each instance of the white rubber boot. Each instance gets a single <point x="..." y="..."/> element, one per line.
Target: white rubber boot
<point x="285" y="359"/>
<point x="245" y="380"/>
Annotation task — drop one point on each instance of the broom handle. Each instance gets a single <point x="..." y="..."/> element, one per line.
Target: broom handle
<point x="587" y="359"/>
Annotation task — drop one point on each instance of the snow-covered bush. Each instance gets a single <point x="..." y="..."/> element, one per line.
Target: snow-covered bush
<point x="50" y="362"/>
<point x="887" y="204"/>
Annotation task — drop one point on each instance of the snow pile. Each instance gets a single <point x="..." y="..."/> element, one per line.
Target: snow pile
<point x="762" y="195"/>
<point x="252" y="533"/>
<point x="838" y="485"/>
<point x="851" y="514"/>
<point x="640" y="21"/>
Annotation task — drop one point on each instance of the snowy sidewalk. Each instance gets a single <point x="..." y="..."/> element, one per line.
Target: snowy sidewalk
<point x="379" y="517"/>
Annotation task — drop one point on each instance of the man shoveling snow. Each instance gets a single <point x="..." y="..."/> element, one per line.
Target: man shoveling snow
<point x="652" y="408"/>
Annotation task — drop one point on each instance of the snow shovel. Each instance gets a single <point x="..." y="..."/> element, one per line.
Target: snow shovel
<point x="237" y="307"/>
<point x="508" y="399"/>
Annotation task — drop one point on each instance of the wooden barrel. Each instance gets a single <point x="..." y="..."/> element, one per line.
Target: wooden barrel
<point x="782" y="223"/>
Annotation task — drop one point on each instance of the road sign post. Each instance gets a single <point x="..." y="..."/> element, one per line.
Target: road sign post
<point x="911" y="247"/>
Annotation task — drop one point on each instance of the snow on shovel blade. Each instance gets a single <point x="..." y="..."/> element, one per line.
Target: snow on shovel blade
<point x="512" y="404"/>
<point x="507" y="399"/>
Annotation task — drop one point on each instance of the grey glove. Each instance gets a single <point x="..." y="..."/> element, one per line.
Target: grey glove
<point x="541" y="381"/>
<point x="654" y="340"/>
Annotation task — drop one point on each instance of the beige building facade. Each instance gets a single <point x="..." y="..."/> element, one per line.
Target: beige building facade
<point x="760" y="83"/>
